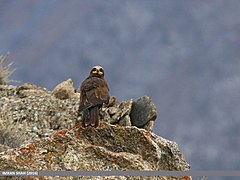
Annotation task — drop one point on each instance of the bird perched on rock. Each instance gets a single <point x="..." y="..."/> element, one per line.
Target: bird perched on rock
<point x="94" y="92"/>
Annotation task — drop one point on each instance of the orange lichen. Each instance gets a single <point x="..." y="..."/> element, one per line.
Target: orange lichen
<point x="147" y="135"/>
<point x="28" y="148"/>
<point x="26" y="156"/>
<point x="77" y="125"/>
<point x="48" y="157"/>
<point x="60" y="133"/>
<point x="186" y="178"/>
<point x="24" y="150"/>
<point x="31" y="147"/>
<point x="77" y="133"/>
<point x="102" y="124"/>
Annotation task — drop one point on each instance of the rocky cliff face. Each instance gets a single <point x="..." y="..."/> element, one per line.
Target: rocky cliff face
<point x="41" y="130"/>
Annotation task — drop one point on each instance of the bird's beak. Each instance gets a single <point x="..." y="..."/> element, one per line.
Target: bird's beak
<point x="99" y="72"/>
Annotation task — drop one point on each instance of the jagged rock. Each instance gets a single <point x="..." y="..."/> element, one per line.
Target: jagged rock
<point x="35" y="117"/>
<point x="125" y="121"/>
<point x="113" y="101"/>
<point x="108" y="147"/>
<point x="27" y="86"/>
<point x="37" y="121"/>
<point x="25" y="119"/>
<point x="143" y="113"/>
<point x="30" y="89"/>
<point x="118" y="113"/>
<point x="65" y="90"/>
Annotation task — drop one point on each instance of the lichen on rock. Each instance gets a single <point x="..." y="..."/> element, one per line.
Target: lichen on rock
<point x="108" y="147"/>
<point x="40" y="131"/>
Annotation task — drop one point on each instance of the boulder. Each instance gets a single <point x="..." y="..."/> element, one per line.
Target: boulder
<point x="64" y="90"/>
<point x="143" y="113"/>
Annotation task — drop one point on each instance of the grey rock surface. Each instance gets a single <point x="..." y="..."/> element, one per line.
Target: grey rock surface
<point x="42" y="132"/>
<point x="118" y="113"/>
<point x="64" y="90"/>
<point x="143" y="112"/>
<point x="34" y="112"/>
<point x="30" y="89"/>
<point x="33" y="115"/>
<point x="108" y="147"/>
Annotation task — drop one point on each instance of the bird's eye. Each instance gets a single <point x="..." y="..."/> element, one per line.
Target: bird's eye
<point x="94" y="69"/>
<point x="101" y="70"/>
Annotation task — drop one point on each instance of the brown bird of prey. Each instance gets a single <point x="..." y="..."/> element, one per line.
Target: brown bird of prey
<point x="94" y="92"/>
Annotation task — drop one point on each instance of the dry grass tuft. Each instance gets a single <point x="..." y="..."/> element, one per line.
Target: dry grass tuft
<point x="5" y="70"/>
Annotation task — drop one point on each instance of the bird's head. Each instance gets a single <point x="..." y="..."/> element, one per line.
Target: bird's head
<point x="97" y="71"/>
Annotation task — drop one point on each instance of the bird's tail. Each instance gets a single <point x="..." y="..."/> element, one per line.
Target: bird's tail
<point x="85" y="120"/>
<point x="93" y="116"/>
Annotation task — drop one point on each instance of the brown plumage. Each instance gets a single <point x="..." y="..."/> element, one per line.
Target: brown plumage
<point x="94" y="92"/>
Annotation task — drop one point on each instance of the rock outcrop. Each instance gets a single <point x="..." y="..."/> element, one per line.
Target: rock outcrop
<point x="64" y="90"/>
<point x="28" y="113"/>
<point x="108" y="147"/>
<point x="39" y="131"/>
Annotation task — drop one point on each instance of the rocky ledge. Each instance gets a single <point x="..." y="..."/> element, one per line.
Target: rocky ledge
<point x="41" y="130"/>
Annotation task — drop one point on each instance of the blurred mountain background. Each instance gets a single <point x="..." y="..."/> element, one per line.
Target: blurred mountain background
<point x="184" y="54"/>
